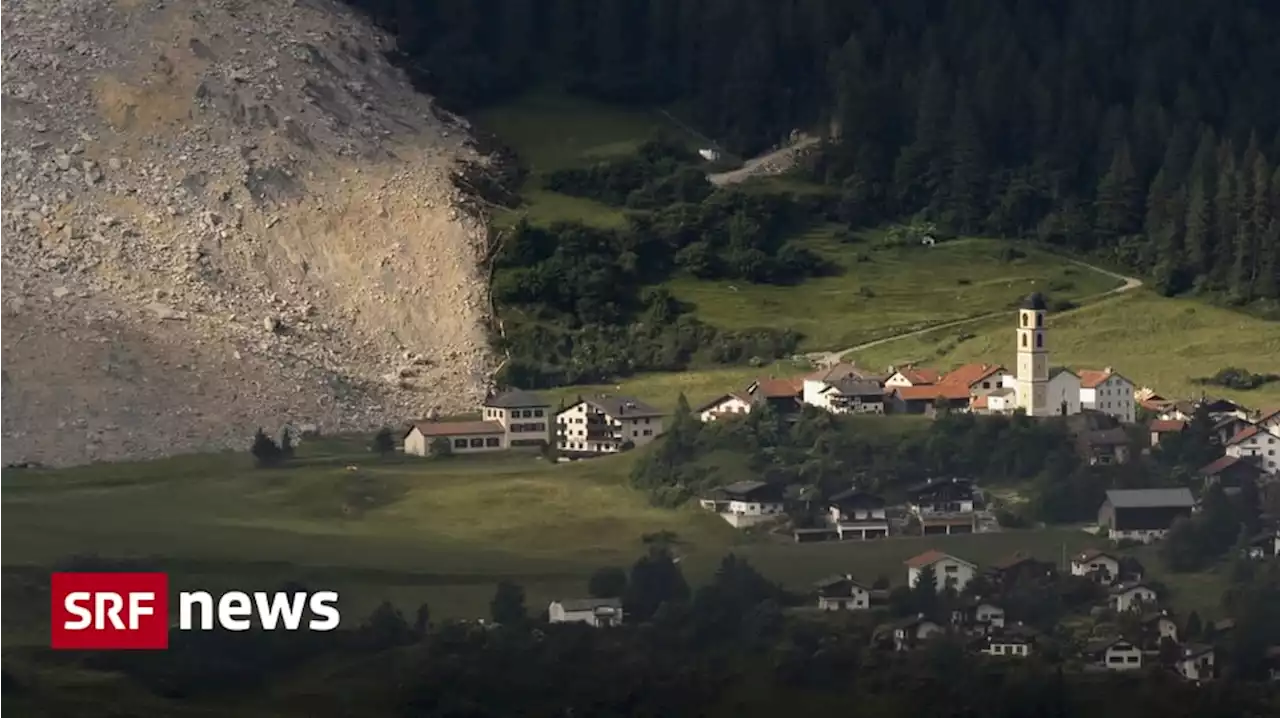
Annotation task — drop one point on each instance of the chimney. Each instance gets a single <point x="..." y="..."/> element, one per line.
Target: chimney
<point x="1106" y="369"/>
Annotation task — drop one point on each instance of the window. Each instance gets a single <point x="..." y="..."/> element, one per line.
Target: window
<point x="477" y="443"/>
<point x="537" y="412"/>
<point x="459" y="443"/>
<point x="1024" y="320"/>
<point x="1039" y="320"/>
<point x="646" y="421"/>
<point x="648" y="432"/>
<point x="1039" y="341"/>
<point x="492" y="442"/>
<point x="951" y="569"/>
<point x="1133" y="659"/>
<point x="1024" y="341"/>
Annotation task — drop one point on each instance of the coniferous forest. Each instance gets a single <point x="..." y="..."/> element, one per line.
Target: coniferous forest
<point x="1141" y="131"/>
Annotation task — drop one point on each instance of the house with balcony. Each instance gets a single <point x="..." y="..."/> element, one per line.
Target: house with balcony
<point x="943" y="506"/>
<point x="858" y="515"/>
<point x="854" y="396"/>
<point x="747" y="503"/>
<point x="605" y="424"/>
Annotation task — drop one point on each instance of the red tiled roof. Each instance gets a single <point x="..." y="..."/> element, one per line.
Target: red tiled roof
<point x="979" y="402"/>
<point x="1217" y="466"/>
<point x="932" y="391"/>
<point x="458" y="428"/>
<point x="1091" y="378"/>
<point x="920" y="375"/>
<point x="1244" y="434"/>
<point x="1268" y="414"/>
<point x="1155" y="404"/>
<point x="1162" y="426"/>
<point x="927" y="558"/>
<point x="1090" y="554"/>
<point x="970" y="374"/>
<point x="779" y="388"/>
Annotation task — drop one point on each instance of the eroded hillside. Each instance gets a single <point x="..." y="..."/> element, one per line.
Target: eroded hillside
<point x="221" y="214"/>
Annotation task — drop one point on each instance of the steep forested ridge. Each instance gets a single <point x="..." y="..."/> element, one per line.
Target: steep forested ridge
<point x="1144" y="129"/>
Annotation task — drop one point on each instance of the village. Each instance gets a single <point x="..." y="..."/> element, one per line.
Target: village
<point x="1126" y="623"/>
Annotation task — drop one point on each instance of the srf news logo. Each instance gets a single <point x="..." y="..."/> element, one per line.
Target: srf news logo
<point x="111" y="611"/>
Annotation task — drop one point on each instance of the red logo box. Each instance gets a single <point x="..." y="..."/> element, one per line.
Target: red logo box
<point x="110" y="611"/>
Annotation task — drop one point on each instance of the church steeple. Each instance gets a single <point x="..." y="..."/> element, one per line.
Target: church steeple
<point x="1033" y="357"/>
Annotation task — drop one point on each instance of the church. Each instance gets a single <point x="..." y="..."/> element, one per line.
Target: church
<point x="1043" y="391"/>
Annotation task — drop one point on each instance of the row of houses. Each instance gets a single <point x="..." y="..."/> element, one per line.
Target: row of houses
<point x="933" y="507"/>
<point x="1034" y="387"/>
<point x="590" y="426"/>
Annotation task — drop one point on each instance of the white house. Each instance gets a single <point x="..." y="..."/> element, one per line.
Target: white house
<point x="1115" y="654"/>
<point x="1000" y="401"/>
<point x="948" y="570"/>
<point x="911" y="376"/>
<point x="1195" y="662"/>
<point x="1006" y="645"/>
<point x="907" y="633"/>
<point x="1255" y="441"/>
<point x="1064" y="391"/>
<point x="526" y="416"/>
<point x="725" y="405"/>
<point x="1107" y="392"/>
<point x="815" y="384"/>
<point x="853" y="396"/>
<point x="984" y="616"/>
<point x="591" y="611"/>
<point x="1099" y="565"/>
<point x="464" y="437"/>
<point x="747" y="503"/>
<point x="842" y="593"/>
<point x="604" y="424"/>
<point x="1132" y="596"/>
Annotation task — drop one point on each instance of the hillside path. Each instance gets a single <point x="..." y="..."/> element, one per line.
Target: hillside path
<point x="770" y="163"/>
<point x="832" y="357"/>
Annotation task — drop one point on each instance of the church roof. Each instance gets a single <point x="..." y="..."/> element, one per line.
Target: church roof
<point x="1035" y="301"/>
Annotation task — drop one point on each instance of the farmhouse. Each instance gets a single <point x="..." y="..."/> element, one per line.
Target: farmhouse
<point x="1253" y="441"/>
<point x="928" y="398"/>
<point x="1108" y="392"/>
<point x="1017" y="568"/>
<point x="1103" y="446"/>
<point x="1161" y="428"/>
<point x="746" y="503"/>
<point x="858" y="515"/>
<point x="1143" y="514"/>
<point x="724" y="406"/>
<point x="977" y="379"/>
<point x="1231" y="471"/>
<point x="943" y="506"/>
<point x="782" y="395"/>
<point x="842" y="593"/>
<point x="947" y="570"/>
<point x="1195" y="662"/>
<point x="907" y="633"/>
<point x="1013" y="643"/>
<point x="591" y="611"/>
<point x="512" y="419"/>
<point x="1132" y="596"/>
<point x="983" y="616"/>
<point x="1115" y="654"/>
<point x="911" y="376"/>
<point x="604" y="424"/>
<point x="854" y="396"/>
<point x="464" y="437"/>
<point x="1098" y="565"/>
<point x="1000" y="401"/>
<point x="525" y="415"/>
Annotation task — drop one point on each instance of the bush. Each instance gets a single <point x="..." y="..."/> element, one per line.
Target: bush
<point x="441" y="448"/>
<point x="1238" y="379"/>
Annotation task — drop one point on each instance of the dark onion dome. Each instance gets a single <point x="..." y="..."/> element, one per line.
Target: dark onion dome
<point x="1035" y="301"/>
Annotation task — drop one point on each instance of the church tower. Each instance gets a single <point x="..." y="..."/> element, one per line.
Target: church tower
<point x="1033" y="358"/>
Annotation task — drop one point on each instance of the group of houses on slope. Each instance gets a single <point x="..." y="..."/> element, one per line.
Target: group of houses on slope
<point x="982" y="621"/>
<point x="590" y="426"/>
<point x="1034" y="387"/>
<point x="933" y="507"/>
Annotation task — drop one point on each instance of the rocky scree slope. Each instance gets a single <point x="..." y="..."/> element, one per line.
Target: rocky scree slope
<point x="224" y="214"/>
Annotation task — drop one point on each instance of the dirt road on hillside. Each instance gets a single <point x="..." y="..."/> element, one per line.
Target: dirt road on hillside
<point x="771" y="163"/>
<point x="829" y="358"/>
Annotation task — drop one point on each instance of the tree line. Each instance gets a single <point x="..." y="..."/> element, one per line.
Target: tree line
<point x="1141" y="130"/>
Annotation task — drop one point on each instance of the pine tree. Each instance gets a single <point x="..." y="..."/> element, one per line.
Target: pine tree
<point x="965" y="200"/>
<point x="1224" y="218"/>
<point x="1199" y="229"/>
<point x="383" y="443"/>
<point x="265" y="451"/>
<point x="919" y="171"/>
<point x="1118" y="197"/>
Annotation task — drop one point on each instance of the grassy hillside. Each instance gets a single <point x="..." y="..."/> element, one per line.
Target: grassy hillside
<point x="1155" y="341"/>
<point x="884" y="290"/>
